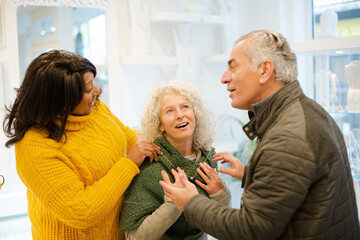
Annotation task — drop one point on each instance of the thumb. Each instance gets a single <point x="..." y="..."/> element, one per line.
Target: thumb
<point x="167" y="188"/>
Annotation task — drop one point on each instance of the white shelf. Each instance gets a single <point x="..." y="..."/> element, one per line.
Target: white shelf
<point x="149" y="60"/>
<point x="219" y="58"/>
<point x="189" y="18"/>
<point x="327" y="45"/>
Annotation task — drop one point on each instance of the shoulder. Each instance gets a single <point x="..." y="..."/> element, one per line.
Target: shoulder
<point x="36" y="137"/>
<point x="101" y="107"/>
<point x="150" y="170"/>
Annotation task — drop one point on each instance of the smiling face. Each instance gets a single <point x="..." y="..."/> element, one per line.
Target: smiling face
<point x="177" y="118"/>
<point x="242" y="83"/>
<point x="88" y="100"/>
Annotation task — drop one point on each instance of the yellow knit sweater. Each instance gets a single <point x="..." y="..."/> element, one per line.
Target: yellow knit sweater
<point x="76" y="188"/>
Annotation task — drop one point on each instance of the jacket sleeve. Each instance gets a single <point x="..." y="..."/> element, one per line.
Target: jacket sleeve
<point x="53" y="179"/>
<point x="276" y="191"/>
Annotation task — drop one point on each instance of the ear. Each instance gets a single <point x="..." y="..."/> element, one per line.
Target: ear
<point x="266" y="71"/>
<point x="161" y="128"/>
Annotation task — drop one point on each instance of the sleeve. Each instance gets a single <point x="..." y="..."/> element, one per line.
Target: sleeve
<point x="53" y="179"/>
<point x="163" y="218"/>
<point x="129" y="133"/>
<point x="223" y="196"/>
<point x="279" y="185"/>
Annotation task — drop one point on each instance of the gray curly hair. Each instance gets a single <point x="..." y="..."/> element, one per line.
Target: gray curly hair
<point x="266" y="44"/>
<point x="204" y="117"/>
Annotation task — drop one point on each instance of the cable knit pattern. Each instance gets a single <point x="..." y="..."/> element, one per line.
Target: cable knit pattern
<point x="76" y="187"/>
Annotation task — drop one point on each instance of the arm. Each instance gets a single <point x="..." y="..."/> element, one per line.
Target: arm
<point x="136" y="150"/>
<point x="55" y="181"/>
<point x="223" y="196"/>
<point x="267" y="207"/>
<point x="155" y="225"/>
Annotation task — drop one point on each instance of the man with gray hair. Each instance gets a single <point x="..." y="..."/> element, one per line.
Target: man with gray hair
<point x="298" y="182"/>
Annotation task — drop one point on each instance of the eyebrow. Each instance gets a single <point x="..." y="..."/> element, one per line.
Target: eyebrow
<point x="165" y="106"/>
<point x="89" y="82"/>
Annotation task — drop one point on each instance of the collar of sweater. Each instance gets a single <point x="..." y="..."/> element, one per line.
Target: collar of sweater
<point x="75" y="123"/>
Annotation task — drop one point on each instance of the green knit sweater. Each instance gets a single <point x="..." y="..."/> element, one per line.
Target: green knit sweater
<point x="145" y="194"/>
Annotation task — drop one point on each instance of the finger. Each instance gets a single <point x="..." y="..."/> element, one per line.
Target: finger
<point x="180" y="170"/>
<point x="226" y="171"/>
<point x="203" y="176"/>
<point x="152" y="155"/>
<point x="165" y="177"/>
<point x="220" y="154"/>
<point x="210" y="169"/>
<point x="184" y="180"/>
<point x="203" y="186"/>
<point x="156" y="148"/>
<point x="175" y="174"/>
<point x="205" y="169"/>
<point x="167" y="188"/>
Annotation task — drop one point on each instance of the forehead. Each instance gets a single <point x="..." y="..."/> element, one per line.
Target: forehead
<point x="88" y="77"/>
<point x="238" y="52"/>
<point x="172" y="98"/>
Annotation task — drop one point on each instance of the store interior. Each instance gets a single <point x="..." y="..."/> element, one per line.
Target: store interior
<point x="136" y="44"/>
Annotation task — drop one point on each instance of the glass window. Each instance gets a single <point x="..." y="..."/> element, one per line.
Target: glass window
<point x="336" y="18"/>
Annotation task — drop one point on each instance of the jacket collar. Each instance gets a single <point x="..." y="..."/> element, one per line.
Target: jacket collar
<point x="259" y="123"/>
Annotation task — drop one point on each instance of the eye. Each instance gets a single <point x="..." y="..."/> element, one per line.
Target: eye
<point x="186" y="106"/>
<point x="88" y="91"/>
<point x="169" y="111"/>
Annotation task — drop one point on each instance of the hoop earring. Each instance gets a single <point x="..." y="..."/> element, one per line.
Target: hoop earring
<point x="3" y="181"/>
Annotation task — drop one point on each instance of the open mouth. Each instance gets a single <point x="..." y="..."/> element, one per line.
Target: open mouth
<point x="182" y="125"/>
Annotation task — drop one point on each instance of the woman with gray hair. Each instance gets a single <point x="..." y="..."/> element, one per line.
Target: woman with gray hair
<point x="177" y="120"/>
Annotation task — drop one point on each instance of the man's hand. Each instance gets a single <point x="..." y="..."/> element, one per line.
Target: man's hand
<point x="237" y="168"/>
<point x="181" y="191"/>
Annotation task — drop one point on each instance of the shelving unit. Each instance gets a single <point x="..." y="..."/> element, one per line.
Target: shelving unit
<point x="219" y="58"/>
<point x="343" y="45"/>
<point x="149" y="60"/>
<point x="178" y="18"/>
<point x="174" y="17"/>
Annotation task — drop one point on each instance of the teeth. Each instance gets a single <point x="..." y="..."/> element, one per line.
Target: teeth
<point x="182" y="125"/>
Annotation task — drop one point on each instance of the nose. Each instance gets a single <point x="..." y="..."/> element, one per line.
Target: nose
<point x="179" y="114"/>
<point x="96" y="91"/>
<point x="226" y="77"/>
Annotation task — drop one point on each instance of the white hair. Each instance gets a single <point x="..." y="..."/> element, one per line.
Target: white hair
<point x="271" y="45"/>
<point x="204" y="117"/>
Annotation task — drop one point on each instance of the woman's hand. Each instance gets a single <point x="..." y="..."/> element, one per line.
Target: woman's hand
<point x="237" y="168"/>
<point x="214" y="184"/>
<point x="143" y="149"/>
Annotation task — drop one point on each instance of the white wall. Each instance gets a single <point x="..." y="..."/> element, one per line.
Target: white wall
<point x="130" y="84"/>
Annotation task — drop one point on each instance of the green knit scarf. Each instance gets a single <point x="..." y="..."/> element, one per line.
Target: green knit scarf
<point x="145" y="194"/>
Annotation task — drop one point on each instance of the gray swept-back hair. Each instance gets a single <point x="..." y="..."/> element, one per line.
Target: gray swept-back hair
<point x="204" y="117"/>
<point x="271" y="45"/>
